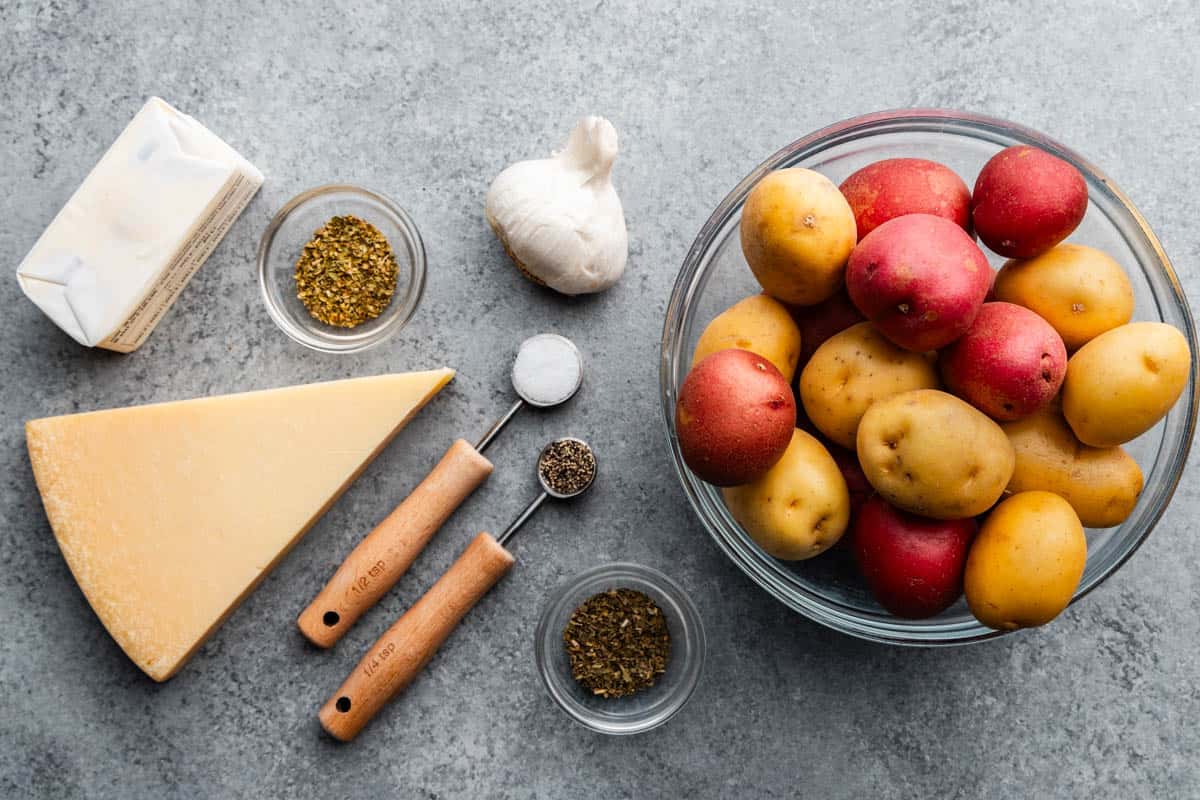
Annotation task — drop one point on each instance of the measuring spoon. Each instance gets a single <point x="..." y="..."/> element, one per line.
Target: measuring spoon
<point x="403" y="651"/>
<point x="548" y="371"/>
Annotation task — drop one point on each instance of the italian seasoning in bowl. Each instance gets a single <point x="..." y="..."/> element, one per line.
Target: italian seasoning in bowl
<point x="346" y="274"/>
<point x="341" y="268"/>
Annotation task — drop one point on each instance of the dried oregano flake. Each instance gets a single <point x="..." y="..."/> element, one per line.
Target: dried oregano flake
<point x="618" y="643"/>
<point x="346" y="273"/>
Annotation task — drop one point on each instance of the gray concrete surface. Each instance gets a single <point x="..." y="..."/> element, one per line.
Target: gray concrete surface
<point x="427" y="101"/>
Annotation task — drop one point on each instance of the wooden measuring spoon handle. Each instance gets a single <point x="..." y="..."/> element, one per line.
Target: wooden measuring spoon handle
<point x="396" y="658"/>
<point x="374" y="566"/>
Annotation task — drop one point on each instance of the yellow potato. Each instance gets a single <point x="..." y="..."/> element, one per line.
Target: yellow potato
<point x="930" y="453"/>
<point x="1079" y="290"/>
<point x="800" y="508"/>
<point x="1026" y="562"/>
<point x="1124" y="381"/>
<point x="853" y="369"/>
<point x="760" y="324"/>
<point x="797" y="232"/>
<point x="1102" y="484"/>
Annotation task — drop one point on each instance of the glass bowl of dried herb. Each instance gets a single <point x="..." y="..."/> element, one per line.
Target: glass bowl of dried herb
<point x="620" y="648"/>
<point x="341" y="268"/>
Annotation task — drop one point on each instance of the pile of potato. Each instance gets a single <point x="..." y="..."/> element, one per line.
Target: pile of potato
<point x="963" y="425"/>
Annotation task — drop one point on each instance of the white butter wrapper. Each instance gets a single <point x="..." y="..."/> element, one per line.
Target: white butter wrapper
<point x="146" y="217"/>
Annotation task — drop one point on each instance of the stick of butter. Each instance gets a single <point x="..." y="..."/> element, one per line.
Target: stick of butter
<point x="147" y="216"/>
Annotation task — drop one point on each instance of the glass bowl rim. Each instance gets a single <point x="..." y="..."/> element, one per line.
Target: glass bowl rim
<point x="685" y="287"/>
<point x="397" y="315"/>
<point x="690" y="670"/>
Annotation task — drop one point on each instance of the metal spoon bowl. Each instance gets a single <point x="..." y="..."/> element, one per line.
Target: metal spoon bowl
<point x="565" y="356"/>
<point x="557" y="352"/>
<point x="548" y="489"/>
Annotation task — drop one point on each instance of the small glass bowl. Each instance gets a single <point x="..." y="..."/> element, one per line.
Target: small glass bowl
<point x="714" y="276"/>
<point x="649" y="708"/>
<point x="294" y="226"/>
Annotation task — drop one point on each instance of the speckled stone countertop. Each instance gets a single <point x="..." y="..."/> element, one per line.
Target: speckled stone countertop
<point x="426" y="101"/>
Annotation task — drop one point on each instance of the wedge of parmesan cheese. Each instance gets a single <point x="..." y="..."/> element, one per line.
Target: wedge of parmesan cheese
<point x="170" y="514"/>
<point x="147" y="216"/>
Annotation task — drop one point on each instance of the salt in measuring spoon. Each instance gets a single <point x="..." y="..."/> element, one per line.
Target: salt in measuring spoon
<point x="547" y="372"/>
<point x="403" y="651"/>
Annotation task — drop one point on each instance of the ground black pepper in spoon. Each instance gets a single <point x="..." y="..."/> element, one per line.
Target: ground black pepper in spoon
<point x="566" y="469"/>
<point x="566" y="466"/>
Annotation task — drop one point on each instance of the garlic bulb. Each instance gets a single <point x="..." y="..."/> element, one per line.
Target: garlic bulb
<point x="559" y="218"/>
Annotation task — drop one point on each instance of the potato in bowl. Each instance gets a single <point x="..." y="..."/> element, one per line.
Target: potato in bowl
<point x="715" y="275"/>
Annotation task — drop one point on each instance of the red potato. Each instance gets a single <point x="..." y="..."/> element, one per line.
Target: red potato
<point x="921" y="279"/>
<point x="734" y="418"/>
<point x="897" y="186"/>
<point x="913" y="565"/>
<point x="1026" y="201"/>
<point x="818" y="322"/>
<point x="1009" y="364"/>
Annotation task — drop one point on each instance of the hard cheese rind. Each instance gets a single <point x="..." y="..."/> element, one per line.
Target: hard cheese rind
<point x="139" y="226"/>
<point x="170" y="514"/>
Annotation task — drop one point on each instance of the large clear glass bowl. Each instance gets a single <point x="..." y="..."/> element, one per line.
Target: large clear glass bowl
<point x="714" y="276"/>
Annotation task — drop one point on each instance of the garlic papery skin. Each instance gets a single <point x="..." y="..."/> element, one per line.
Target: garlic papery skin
<point x="559" y="218"/>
